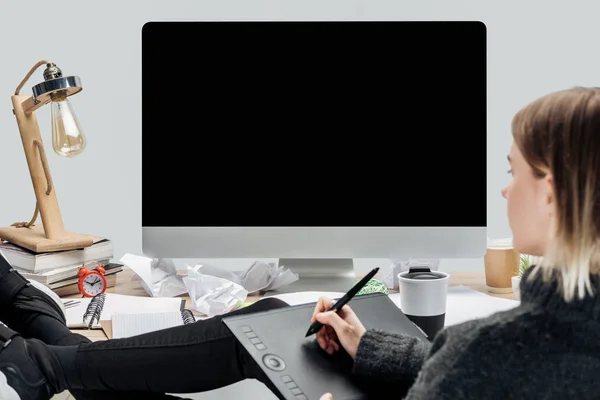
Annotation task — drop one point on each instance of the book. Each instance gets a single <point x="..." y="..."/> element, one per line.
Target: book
<point x="50" y="276"/>
<point x="73" y="288"/>
<point x="87" y="312"/>
<point x="127" y="325"/>
<point x="110" y="268"/>
<point x="70" y="286"/>
<point x="25" y="259"/>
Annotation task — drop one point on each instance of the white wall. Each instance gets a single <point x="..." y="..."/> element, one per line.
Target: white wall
<point x="535" y="47"/>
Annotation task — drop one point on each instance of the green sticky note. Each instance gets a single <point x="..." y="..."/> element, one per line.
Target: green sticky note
<point x="245" y="304"/>
<point x="373" y="286"/>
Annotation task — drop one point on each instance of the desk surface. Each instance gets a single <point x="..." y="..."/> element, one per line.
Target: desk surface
<point x="125" y="285"/>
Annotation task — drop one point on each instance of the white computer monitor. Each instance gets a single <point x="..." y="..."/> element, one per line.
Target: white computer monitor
<point x="314" y="142"/>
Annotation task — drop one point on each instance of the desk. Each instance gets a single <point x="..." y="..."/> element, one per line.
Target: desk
<point x="125" y="285"/>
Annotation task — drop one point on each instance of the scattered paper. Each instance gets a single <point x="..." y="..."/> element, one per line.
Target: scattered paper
<point x="158" y="277"/>
<point x="212" y="295"/>
<point x="258" y="278"/>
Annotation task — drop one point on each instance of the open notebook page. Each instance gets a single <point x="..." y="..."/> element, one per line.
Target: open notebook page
<point x="118" y="303"/>
<point x="127" y="325"/>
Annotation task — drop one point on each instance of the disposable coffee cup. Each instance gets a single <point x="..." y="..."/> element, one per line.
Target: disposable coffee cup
<point x="501" y="263"/>
<point x="423" y="298"/>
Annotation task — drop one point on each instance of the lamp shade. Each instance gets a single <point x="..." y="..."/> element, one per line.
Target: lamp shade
<point x="68" y="139"/>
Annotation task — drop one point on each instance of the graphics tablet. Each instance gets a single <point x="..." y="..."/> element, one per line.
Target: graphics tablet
<point x="297" y="366"/>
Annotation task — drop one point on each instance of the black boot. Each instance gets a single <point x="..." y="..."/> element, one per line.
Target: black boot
<point x="30" y="369"/>
<point x="20" y="302"/>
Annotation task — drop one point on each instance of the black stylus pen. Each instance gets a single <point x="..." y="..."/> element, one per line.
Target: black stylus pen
<point x="337" y="306"/>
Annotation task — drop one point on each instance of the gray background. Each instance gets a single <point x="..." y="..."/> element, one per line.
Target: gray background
<point x="534" y="47"/>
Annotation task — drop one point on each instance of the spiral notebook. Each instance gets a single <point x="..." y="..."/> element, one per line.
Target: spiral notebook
<point x="88" y="312"/>
<point x="127" y="325"/>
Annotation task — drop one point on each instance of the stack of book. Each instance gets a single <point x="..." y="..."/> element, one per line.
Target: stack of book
<point x="58" y="269"/>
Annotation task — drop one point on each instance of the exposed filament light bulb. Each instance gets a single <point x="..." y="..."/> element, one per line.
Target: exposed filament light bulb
<point x="68" y="139"/>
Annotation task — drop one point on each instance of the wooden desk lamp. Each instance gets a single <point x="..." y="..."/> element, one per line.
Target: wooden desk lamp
<point x="67" y="140"/>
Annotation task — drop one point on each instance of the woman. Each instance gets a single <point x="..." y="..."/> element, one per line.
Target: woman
<point x="547" y="347"/>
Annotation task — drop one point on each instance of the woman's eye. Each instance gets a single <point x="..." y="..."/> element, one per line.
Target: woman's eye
<point x="509" y="171"/>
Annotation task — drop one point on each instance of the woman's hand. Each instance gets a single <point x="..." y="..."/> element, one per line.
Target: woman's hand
<point x="327" y="396"/>
<point x="343" y="326"/>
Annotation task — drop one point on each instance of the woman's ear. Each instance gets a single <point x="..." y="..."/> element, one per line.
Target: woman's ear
<point x="549" y="198"/>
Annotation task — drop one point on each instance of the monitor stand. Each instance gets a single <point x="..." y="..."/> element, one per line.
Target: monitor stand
<point x="319" y="275"/>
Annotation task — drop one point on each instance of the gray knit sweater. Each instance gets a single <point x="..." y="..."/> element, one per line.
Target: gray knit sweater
<point x="543" y="349"/>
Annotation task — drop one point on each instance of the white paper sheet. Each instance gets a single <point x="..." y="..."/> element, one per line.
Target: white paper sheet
<point x="258" y="277"/>
<point x="119" y="303"/>
<point x="296" y="298"/>
<point x="158" y="277"/>
<point x="464" y="304"/>
<point x="127" y="325"/>
<point x="212" y="295"/>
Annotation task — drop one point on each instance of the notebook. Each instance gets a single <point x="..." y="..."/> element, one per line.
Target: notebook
<point x="127" y="325"/>
<point x="87" y="312"/>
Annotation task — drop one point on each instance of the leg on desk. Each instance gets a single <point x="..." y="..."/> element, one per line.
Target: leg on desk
<point x="26" y="309"/>
<point x="33" y="314"/>
<point x="187" y="359"/>
<point x="191" y="358"/>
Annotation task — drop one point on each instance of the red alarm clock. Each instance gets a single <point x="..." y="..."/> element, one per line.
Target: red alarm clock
<point x="92" y="282"/>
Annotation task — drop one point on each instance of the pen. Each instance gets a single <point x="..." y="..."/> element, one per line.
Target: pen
<point x="337" y="306"/>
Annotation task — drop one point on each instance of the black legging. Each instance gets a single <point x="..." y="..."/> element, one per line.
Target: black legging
<point x="159" y="362"/>
<point x="140" y="367"/>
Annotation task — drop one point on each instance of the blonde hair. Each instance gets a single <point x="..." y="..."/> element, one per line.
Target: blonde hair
<point x="559" y="134"/>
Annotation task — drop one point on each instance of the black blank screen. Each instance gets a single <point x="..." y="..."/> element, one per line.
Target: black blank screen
<point x="314" y="124"/>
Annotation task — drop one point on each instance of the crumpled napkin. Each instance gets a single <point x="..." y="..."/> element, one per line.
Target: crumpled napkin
<point x="389" y="276"/>
<point x="212" y="295"/>
<point x="259" y="277"/>
<point x="158" y="276"/>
